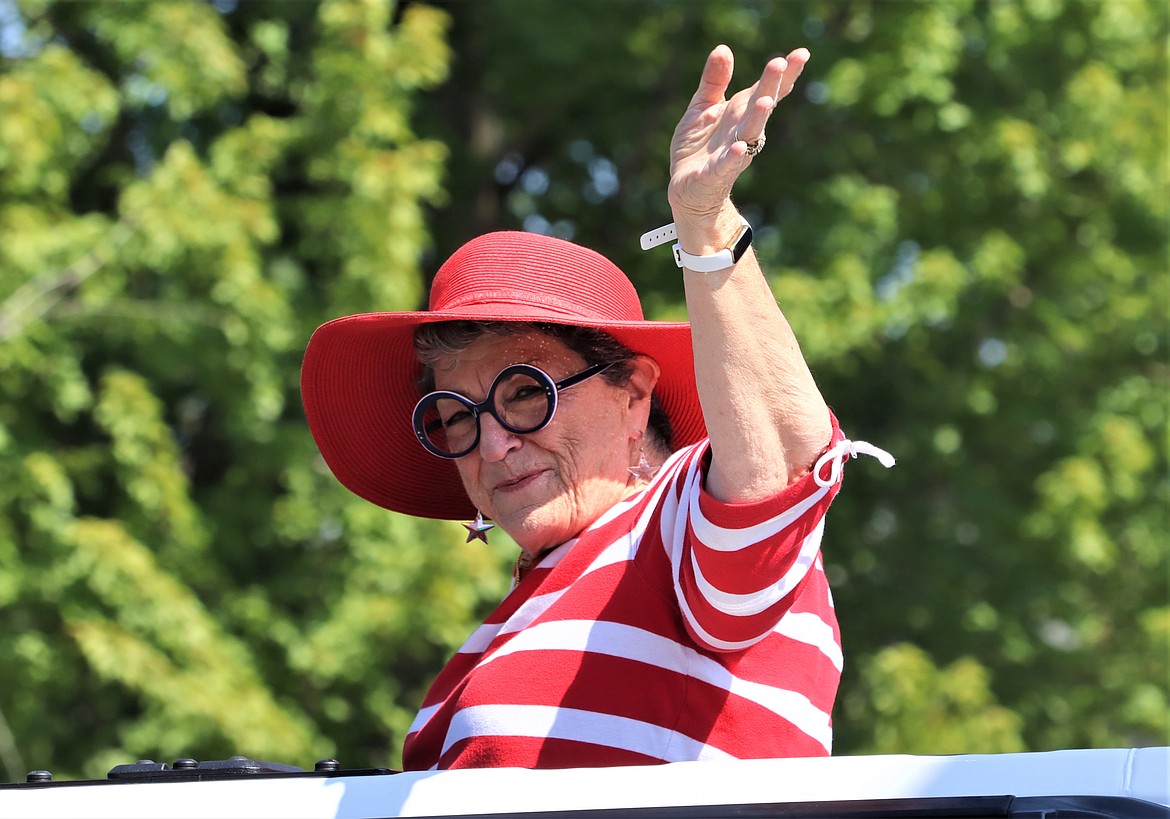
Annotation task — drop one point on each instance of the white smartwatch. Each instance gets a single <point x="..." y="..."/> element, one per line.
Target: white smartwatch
<point x="720" y="260"/>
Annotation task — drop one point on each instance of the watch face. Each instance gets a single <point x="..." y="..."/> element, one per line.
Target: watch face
<point x="742" y="243"/>
<point x="715" y="261"/>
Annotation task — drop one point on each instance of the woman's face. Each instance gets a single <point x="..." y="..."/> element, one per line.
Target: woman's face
<point x="544" y="487"/>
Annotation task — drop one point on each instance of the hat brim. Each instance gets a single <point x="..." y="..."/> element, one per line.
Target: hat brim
<point x="359" y="387"/>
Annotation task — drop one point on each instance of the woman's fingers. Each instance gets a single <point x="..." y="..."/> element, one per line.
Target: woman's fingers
<point x="754" y="119"/>
<point x="776" y="82"/>
<point x="710" y="147"/>
<point x="715" y="78"/>
<point x="797" y="60"/>
<point x="771" y="79"/>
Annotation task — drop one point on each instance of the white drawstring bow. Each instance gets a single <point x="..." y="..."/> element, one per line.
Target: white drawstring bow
<point x="852" y="449"/>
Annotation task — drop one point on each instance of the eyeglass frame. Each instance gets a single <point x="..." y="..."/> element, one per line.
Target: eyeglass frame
<point x="552" y="390"/>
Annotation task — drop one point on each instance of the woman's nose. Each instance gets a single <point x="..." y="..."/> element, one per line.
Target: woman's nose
<point x="494" y="441"/>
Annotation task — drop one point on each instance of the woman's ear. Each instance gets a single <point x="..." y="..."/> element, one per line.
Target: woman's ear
<point x="643" y="378"/>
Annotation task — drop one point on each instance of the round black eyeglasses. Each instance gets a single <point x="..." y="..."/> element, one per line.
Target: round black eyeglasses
<point x="522" y="398"/>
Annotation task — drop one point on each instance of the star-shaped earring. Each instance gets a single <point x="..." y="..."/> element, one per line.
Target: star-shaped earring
<point x="643" y="471"/>
<point x="478" y="528"/>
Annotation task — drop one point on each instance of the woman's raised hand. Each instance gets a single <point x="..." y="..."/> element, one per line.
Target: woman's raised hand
<point x="710" y="148"/>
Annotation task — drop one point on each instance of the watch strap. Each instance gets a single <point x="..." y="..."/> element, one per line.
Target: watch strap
<point x="719" y="260"/>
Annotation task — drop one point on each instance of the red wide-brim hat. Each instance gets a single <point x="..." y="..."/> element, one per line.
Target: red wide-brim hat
<point x="360" y="374"/>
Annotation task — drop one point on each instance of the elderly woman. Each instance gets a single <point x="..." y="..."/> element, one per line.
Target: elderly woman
<point x="665" y="482"/>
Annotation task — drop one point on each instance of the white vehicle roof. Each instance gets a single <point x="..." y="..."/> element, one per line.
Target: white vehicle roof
<point x="786" y="787"/>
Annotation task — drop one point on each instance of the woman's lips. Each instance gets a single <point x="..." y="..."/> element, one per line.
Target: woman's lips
<point x="519" y="482"/>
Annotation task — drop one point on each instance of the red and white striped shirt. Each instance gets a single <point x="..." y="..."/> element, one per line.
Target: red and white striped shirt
<point x="676" y="627"/>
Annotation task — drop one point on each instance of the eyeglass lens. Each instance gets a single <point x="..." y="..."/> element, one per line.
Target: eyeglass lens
<point x="518" y="400"/>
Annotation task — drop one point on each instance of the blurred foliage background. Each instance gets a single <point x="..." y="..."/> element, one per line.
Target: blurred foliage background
<point x="963" y="211"/>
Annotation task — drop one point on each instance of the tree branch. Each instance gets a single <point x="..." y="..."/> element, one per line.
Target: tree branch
<point x="37" y="296"/>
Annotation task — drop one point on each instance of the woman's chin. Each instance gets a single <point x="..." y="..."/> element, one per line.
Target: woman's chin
<point x="534" y="529"/>
<point x="548" y="520"/>
<point x="534" y="541"/>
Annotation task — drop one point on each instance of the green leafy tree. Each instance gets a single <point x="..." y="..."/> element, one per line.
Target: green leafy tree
<point x="184" y="195"/>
